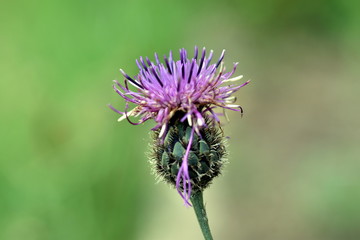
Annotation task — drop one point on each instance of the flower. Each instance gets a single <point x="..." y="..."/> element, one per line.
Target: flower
<point x="192" y="87"/>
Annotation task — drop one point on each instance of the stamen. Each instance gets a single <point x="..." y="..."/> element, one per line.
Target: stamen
<point x="221" y="58"/>
<point x="200" y="121"/>
<point x="231" y="99"/>
<point x="157" y="59"/>
<point x="189" y="119"/>
<point x="170" y="56"/>
<point x="183" y="55"/>
<point x="233" y="109"/>
<point x="196" y="53"/>
<point x="167" y="64"/>
<point x="126" y="114"/>
<point x="156" y="76"/>
<point x="209" y="59"/>
<point x="233" y="106"/>
<point x="182" y="71"/>
<point x="148" y="61"/>
<point x="201" y="61"/>
<point x="245" y="83"/>
<point x="191" y="70"/>
<point x="162" y="131"/>
<point x="234" y="79"/>
<point x="143" y="63"/>
<point x="130" y="79"/>
<point x="133" y="100"/>
<point x="138" y="64"/>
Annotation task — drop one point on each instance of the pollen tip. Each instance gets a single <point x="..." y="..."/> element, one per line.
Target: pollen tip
<point x="121" y="118"/>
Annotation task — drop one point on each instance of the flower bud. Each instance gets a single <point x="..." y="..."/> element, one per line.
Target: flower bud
<point x="206" y="155"/>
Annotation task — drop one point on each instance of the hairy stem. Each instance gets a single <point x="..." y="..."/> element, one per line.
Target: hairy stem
<point x="198" y="204"/>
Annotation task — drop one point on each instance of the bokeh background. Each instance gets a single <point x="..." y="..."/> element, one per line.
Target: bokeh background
<point x="69" y="170"/>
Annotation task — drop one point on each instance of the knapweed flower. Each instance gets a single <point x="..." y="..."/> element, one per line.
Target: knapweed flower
<point x="181" y="96"/>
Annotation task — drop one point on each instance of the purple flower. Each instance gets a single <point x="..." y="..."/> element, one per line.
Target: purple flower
<point x="193" y="87"/>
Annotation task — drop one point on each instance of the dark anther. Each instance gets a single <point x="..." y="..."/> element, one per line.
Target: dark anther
<point x="201" y="61"/>
<point x="157" y="77"/>
<point x="191" y="70"/>
<point x="131" y="80"/>
<point x="196" y="53"/>
<point x="220" y="59"/>
<point x="167" y="64"/>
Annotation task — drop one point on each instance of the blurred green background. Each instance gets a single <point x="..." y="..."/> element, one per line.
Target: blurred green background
<point x="69" y="170"/>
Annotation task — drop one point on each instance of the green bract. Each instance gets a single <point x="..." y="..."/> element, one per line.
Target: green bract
<point x="206" y="157"/>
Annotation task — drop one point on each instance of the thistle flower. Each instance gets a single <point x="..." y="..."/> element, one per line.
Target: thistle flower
<point x="181" y="96"/>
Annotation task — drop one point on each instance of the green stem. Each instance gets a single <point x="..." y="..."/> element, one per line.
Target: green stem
<point x="198" y="204"/>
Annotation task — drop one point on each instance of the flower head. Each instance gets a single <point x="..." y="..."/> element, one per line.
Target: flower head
<point x="188" y="89"/>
